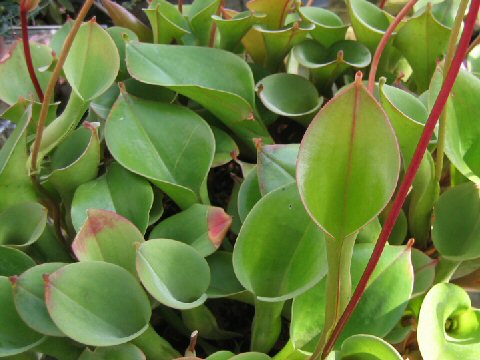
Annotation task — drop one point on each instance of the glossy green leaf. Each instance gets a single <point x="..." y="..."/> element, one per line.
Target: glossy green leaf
<point x="221" y="355"/>
<point x="407" y="115"/>
<point x="473" y="61"/>
<point x="157" y="209"/>
<point x="278" y="43"/>
<point x="443" y="11"/>
<point x="456" y="229"/>
<point x="15" y="112"/>
<point x="225" y="147"/>
<point x="367" y="347"/>
<point x="289" y="95"/>
<point x="379" y="309"/>
<point x="369" y="23"/>
<point x="22" y="224"/>
<point x="424" y="270"/>
<point x="248" y="194"/>
<point x="75" y="161"/>
<point x="218" y="80"/>
<point x="107" y="236"/>
<point x="75" y="297"/>
<point x="119" y="352"/>
<point x="15" y="184"/>
<point x="326" y="65"/>
<point x="58" y="39"/>
<point x="93" y="52"/>
<point x="200" y="18"/>
<point x="15" y="80"/>
<point x="251" y="356"/>
<point x="463" y="131"/>
<point x="29" y="296"/>
<point x="201" y="226"/>
<point x="279" y="252"/>
<point x="62" y="126"/>
<point x="15" y="336"/>
<point x="329" y="27"/>
<point x="423" y="195"/>
<point x="431" y="39"/>
<point x="275" y="11"/>
<point x="120" y="36"/>
<point x="118" y="190"/>
<point x="448" y="328"/>
<point x="177" y="284"/>
<point x="101" y="105"/>
<point x="369" y="233"/>
<point x="231" y="31"/>
<point x="348" y="162"/>
<point x="167" y="22"/>
<point x="223" y="281"/>
<point x="122" y="17"/>
<point x="164" y="141"/>
<point x="276" y="166"/>
<point x="149" y="92"/>
<point x="400" y="230"/>
<point x="14" y="262"/>
<point x="202" y="320"/>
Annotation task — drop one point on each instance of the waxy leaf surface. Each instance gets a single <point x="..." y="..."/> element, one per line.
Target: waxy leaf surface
<point x="76" y="301"/>
<point x="22" y="224"/>
<point x="14" y="262"/>
<point x="218" y="80"/>
<point x="448" y="303"/>
<point x="29" y="296"/>
<point x="223" y="281"/>
<point x="15" y="80"/>
<point x="348" y="162"/>
<point x="329" y="27"/>
<point x="15" y="336"/>
<point x="380" y="308"/>
<point x="456" y="229"/>
<point x="107" y="236"/>
<point x="366" y="347"/>
<point x="15" y="184"/>
<point x="289" y="95"/>
<point x="118" y="190"/>
<point x="276" y="166"/>
<point x="279" y="252"/>
<point x="180" y="284"/>
<point x="93" y="52"/>
<point x="75" y="161"/>
<point x="165" y="140"/>
<point x="431" y="39"/>
<point x="201" y="226"/>
<point x="118" y="352"/>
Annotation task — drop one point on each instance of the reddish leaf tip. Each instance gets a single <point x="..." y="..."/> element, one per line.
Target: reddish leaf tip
<point x="410" y="243"/>
<point x="358" y="78"/>
<point x="234" y="155"/>
<point x="193" y="341"/>
<point x="90" y="126"/>
<point x="340" y="56"/>
<point x="13" y="279"/>
<point x="250" y="116"/>
<point x="218" y="223"/>
<point x="259" y="89"/>
<point x="123" y="89"/>
<point x="258" y="143"/>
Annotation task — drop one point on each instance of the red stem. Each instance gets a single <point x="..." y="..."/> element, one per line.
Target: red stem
<point x="180" y="6"/>
<point x="383" y="43"/>
<point x="28" y="55"/>
<point x="410" y="174"/>
<point x="382" y="4"/>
